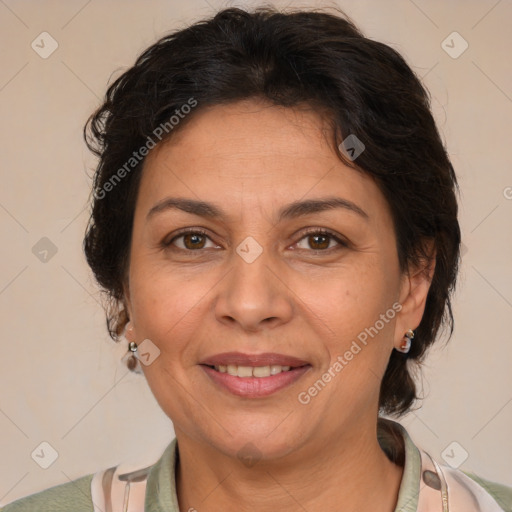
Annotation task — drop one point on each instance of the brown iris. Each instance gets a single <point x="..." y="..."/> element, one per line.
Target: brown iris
<point x="195" y="240"/>
<point x="319" y="245"/>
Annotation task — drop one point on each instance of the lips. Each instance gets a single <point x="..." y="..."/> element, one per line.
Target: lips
<point x="254" y="375"/>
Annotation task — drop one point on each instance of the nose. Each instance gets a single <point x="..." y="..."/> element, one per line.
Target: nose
<point x="253" y="296"/>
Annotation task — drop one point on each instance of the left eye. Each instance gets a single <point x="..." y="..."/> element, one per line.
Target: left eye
<point x="320" y="240"/>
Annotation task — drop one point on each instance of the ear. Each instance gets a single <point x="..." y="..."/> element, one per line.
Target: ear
<point x="414" y="289"/>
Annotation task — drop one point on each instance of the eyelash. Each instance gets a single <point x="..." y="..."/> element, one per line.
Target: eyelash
<point x="311" y="231"/>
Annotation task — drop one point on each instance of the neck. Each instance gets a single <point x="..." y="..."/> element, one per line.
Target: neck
<point x="353" y="470"/>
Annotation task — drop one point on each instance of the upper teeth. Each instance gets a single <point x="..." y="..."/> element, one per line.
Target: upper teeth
<point x="251" y="371"/>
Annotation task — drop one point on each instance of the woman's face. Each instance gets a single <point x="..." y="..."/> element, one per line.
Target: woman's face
<point x="262" y="286"/>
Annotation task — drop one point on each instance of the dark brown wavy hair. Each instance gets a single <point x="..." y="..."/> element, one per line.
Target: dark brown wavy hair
<point x="321" y="59"/>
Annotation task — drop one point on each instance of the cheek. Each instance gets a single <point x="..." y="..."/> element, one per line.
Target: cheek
<point x="351" y="299"/>
<point x="356" y="309"/>
<point x="168" y="304"/>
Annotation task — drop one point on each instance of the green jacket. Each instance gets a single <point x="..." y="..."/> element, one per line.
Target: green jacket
<point x="159" y="491"/>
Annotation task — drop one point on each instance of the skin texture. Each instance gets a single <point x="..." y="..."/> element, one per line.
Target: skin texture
<point x="250" y="159"/>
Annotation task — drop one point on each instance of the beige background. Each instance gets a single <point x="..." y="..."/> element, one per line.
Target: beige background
<point x="61" y="378"/>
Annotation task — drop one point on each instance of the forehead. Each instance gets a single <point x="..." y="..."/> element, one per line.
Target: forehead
<point x="253" y="152"/>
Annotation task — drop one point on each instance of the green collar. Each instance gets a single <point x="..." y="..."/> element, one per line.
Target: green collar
<point x="410" y="484"/>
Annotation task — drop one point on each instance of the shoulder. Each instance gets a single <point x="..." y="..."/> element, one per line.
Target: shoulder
<point x="502" y="494"/>
<point x="108" y="484"/>
<point x="75" y="495"/>
<point x="426" y="482"/>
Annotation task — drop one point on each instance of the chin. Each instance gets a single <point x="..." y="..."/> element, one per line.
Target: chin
<point x="262" y="438"/>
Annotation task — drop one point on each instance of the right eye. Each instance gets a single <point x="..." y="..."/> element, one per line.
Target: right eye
<point x="191" y="240"/>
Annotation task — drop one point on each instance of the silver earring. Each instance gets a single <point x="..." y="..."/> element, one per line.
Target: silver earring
<point x="131" y="360"/>
<point x="406" y="344"/>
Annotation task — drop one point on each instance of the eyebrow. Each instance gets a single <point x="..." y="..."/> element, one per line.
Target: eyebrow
<point x="289" y="211"/>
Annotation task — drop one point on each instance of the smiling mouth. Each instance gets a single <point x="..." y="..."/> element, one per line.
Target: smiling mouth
<point x="254" y="375"/>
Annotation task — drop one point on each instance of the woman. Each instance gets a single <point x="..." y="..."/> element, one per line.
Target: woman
<point x="275" y="220"/>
